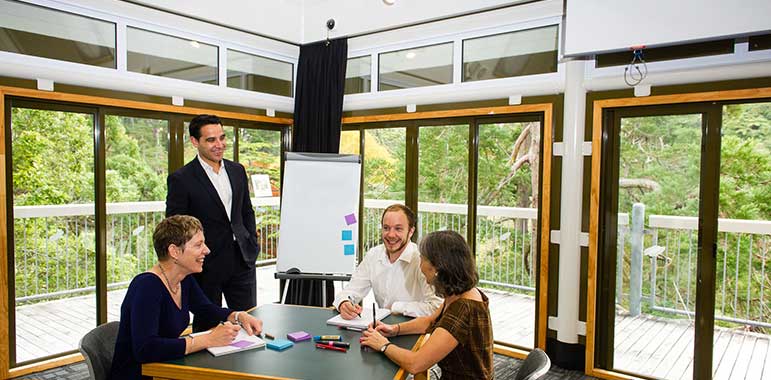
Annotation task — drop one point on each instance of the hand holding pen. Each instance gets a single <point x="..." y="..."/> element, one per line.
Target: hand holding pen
<point x="350" y="309"/>
<point x="221" y="335"/>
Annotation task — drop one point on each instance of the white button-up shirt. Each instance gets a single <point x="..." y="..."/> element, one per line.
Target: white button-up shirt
<point x="399" y="286"/>
<point x="221" y="183"/>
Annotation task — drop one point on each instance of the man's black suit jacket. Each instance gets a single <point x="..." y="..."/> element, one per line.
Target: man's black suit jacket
<point x="190" y="192"/>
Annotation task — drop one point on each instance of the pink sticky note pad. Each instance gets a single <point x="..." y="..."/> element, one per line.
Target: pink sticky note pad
<point x="298" y="336"/>
<point x="242" y="343"/>
<point x="350" y="219"/>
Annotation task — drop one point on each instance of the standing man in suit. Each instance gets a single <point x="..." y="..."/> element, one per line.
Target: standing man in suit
<point x="215" y="191"/>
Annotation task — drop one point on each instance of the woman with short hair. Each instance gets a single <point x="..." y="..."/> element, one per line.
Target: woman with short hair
<point x="158" y="303"/>
<point x="461" y="340"/>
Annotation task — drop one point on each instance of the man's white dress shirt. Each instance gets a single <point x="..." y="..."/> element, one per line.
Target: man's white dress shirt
<point x="399" y="286"/>
<point x="221" y="183"/>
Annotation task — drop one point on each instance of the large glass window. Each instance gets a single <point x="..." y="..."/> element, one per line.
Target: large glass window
<point x="358" y="75"/>
<point x="260" y="153"/>
<point x="742" y="316"/>
<point x="416" y="67"/>
<point x="657" y="241"/>
<point x="136" y="154"/>
<point x="54" y="232"/>
<point x="254" y="73"/>
<point x="507" y="224"/>
<point x="384" y="177"/>
<point x="168" y="56"/>
<point x="524" y="52"/>
<point x="43" y="32"/>
<point x="443" y="179"/>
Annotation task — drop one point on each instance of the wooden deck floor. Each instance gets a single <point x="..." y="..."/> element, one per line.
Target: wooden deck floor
<point x="653" y="346"/>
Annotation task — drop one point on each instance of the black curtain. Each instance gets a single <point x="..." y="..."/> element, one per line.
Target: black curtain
<point x="318" y="101"/>
<point x="318" y="110"/>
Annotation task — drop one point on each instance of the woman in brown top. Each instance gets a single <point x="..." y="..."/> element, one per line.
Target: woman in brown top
<point x="461" y="340"/>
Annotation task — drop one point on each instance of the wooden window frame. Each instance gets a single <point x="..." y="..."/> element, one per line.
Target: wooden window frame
<point x="120" y="106"/>
<point x="426" y="118"/>
<point x="599" y="110"/>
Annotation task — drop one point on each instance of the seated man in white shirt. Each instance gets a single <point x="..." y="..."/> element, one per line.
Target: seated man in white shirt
<point x="392" y="271"/>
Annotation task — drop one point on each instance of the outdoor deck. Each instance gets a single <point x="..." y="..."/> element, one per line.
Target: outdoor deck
<point x="651" y="345"/>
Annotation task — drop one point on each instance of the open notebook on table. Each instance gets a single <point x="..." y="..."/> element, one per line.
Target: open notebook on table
<point x="242" y="342"/>
<point x="360" y="323"/>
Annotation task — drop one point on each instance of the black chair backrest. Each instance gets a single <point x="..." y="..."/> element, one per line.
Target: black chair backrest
<point x="97" y="347"/>
<point x="535" y="366"/>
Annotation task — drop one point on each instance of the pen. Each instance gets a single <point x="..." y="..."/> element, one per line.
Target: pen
<point x="374" y="320"/>
<point x="334" y="343"/>
<point x="350" y="298"/>
<point x="328" y="347"/>
<point x="269" y="336"/>
<point x="350" y="328"/>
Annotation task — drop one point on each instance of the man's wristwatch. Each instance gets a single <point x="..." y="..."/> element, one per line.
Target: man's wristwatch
<point x="383" y="347"/>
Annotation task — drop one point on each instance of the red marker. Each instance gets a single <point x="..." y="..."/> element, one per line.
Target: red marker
<point x="328" y="347"/>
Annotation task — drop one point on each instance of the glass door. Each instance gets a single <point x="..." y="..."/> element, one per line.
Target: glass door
<point x="136" y="166"/>
<point x="443" y="153"/>
<point x="53" y="245"/>
<point x="657" y="244"/>
<point x="742" y="324"/>
<point x="507" y="225"/>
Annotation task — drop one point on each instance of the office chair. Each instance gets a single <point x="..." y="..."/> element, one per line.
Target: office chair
<point x="535" y="366"/>
<point x="97" y="346"/>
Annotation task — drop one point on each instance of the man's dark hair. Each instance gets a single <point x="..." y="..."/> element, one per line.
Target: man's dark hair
<point x="199" y="121"/>
<point x="449" y="254"/>
<point x="411" y="220"/>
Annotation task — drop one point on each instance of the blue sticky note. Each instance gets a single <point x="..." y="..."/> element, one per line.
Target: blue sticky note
<point x="347" y="235"/>
<point x="349" y="249"/>
<point x="279" y="344"/>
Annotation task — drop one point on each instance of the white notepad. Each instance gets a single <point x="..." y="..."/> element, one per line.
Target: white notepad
<point x="360" y="323"/>
<point x="242" y="342"/>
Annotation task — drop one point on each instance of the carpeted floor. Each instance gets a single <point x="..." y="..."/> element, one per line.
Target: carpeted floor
<point x="505" y="369"/>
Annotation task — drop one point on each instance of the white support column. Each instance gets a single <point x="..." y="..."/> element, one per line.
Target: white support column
<point x="570" y="200"/>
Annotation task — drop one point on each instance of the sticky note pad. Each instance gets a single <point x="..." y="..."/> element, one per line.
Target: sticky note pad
<point x="279" y="344"/>
<point x="350" y="219"/>
<point x="298" y="336"/>
<point x="347" y="235"/>
<point x="349" y="249"/>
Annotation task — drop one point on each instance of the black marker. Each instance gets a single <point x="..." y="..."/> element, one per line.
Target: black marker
<point x="374" y="320"/>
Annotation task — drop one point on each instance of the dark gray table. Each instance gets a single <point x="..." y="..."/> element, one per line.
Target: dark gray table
<point x="302" y="361"/>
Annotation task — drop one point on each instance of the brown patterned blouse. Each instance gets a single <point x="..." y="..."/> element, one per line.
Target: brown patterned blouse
<point x="469" y="322"/>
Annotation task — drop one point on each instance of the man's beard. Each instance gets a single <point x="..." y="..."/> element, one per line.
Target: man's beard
<point x="404" y="244"/>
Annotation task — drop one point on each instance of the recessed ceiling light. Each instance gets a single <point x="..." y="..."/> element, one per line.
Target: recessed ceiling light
<point x="389" y="2"/>
<point x="410" y="54"/>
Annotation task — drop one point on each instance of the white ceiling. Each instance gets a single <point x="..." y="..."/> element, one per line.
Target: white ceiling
<point x="303" y="21"/>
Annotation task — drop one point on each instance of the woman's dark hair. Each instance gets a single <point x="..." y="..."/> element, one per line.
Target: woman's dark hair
<point x="177" y="230"/>
<point x="199" y="121"/>
<point x="448" y="252"/>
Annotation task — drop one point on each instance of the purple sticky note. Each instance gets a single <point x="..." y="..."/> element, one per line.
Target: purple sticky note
<point x="350" y="219"/>
<point x="242" y="343"/>
<point x="298" y="336"/>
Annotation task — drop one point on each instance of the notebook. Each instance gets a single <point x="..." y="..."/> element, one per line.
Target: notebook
<point x="360" y="323"/>
<point x="242" y="342"/>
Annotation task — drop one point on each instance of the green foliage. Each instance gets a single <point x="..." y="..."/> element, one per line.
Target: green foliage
<point x="443" y="161"/>
<point x="52" y="157"/>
